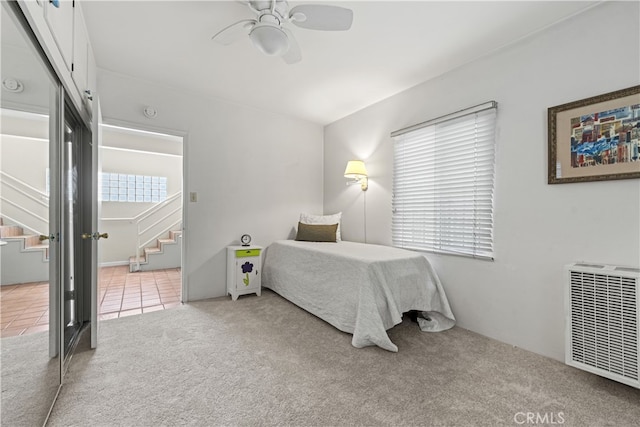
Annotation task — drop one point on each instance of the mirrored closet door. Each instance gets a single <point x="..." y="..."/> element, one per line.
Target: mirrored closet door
<point x="31" y="209"/>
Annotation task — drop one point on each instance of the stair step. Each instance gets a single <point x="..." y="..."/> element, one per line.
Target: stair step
<point x="30" y="241"/>
<point x="173" y="236"/>
<point x="11" y="231"/>
<point x="19" y="236"/>
<point x="39" y="245"/>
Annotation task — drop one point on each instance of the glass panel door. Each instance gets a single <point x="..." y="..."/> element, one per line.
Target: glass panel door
<point x="70" y="304"/>
<point x="77" y="239"/>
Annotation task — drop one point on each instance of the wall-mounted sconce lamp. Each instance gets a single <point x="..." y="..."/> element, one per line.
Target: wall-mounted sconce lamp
<point x="356" y="171"/>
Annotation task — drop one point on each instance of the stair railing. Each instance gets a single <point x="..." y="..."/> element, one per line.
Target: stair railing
<point x="27" y="192"/>
<point x="156" y="211"/>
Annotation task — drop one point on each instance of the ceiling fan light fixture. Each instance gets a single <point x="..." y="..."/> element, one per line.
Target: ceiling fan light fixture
<point x="269" y="39"/>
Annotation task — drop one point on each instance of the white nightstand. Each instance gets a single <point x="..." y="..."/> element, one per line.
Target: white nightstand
<point x="244" y="266"/>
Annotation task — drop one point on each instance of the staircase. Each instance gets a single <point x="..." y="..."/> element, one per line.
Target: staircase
<point x="27" y="242"/>
<point x="166" y="254"/>
<point x="25" y="258"/>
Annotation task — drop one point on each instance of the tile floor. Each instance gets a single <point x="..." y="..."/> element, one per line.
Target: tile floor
<point x="24" y="308"/>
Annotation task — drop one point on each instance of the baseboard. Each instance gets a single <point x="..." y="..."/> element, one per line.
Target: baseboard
<point x="114" y="263"/>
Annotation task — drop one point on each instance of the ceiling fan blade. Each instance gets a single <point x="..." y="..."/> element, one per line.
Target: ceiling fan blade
<point x="321" y="17"/>
<point x="234" y="32"/>
<point x="292" y="55"/>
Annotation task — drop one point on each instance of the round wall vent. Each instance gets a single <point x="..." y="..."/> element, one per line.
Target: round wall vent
<point x="12" y="85"/>
<point x="150" y="112"/>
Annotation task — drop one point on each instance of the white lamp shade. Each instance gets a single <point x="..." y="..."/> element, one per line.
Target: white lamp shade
<point x="269" y="39"/>
<point x="355" y="169"/>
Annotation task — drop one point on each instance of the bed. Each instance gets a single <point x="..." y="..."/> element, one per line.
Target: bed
<point x="361" y="289"/>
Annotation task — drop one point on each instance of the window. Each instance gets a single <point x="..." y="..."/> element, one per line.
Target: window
<point x="443" y="180"/>
<point x="118" y="187"/>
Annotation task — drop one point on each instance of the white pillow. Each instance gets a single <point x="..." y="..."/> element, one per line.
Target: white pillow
<point x="323" y="219"/>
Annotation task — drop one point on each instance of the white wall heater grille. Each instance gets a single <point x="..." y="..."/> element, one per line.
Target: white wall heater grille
<point x="602" y="321"/>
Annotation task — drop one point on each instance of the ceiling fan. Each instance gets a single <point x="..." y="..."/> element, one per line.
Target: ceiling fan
<point x="269" y="33"/>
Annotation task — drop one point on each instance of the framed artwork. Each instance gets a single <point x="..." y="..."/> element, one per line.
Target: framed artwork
<point x="595" y="139"/>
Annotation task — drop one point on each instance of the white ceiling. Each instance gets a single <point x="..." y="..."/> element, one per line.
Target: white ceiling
<point x="392" y="45"/>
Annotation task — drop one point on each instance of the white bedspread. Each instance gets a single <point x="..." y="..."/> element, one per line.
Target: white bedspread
<point x="361" y="289"/>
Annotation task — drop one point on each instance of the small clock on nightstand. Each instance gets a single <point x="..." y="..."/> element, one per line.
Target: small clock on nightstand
<point x="245" y="239"/>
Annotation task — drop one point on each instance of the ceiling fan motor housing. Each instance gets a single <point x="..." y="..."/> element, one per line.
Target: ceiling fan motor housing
<point x="267" y="35"/>
<point x="268" y="31"/>
<point x="269" y="38"/>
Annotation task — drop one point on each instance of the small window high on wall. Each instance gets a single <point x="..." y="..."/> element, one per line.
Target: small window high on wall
<point x="118" y="187"/>
<point x="443" y="184"/>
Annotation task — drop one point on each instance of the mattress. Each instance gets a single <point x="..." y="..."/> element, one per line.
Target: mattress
<point x="361" y="289"/>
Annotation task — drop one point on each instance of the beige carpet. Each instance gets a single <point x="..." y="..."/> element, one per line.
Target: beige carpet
<point x="29" y="379"/>
<point x="263" y="361"/>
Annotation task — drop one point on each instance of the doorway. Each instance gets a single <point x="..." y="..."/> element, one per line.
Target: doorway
<point x="153" y="223"/>
<point x="142" y="208"/>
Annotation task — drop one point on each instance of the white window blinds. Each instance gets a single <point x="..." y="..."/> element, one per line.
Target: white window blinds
<point x="443" y="183"/>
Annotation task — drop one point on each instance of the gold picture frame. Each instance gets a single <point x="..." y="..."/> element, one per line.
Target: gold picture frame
<point x="595" y="139"/>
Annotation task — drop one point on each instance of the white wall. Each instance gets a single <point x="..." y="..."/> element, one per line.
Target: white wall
<point x="139" y="163"/>
<point x="24" y="156"/>
<point x="539" y="228"/>
<point x="132" y="139"/>
<point x="19" y="62"/>
<point x="254" y="171"/>
<point x="26" y="159"/>
<point x="129" y="151"/>
<point x="22" y="134"/>
<point x="123" y="234"/>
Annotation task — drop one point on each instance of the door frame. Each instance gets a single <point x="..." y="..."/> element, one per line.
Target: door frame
<point x="56" y="223"/>
<point x="94" y="222"/>
<point x="184" y="297"/>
